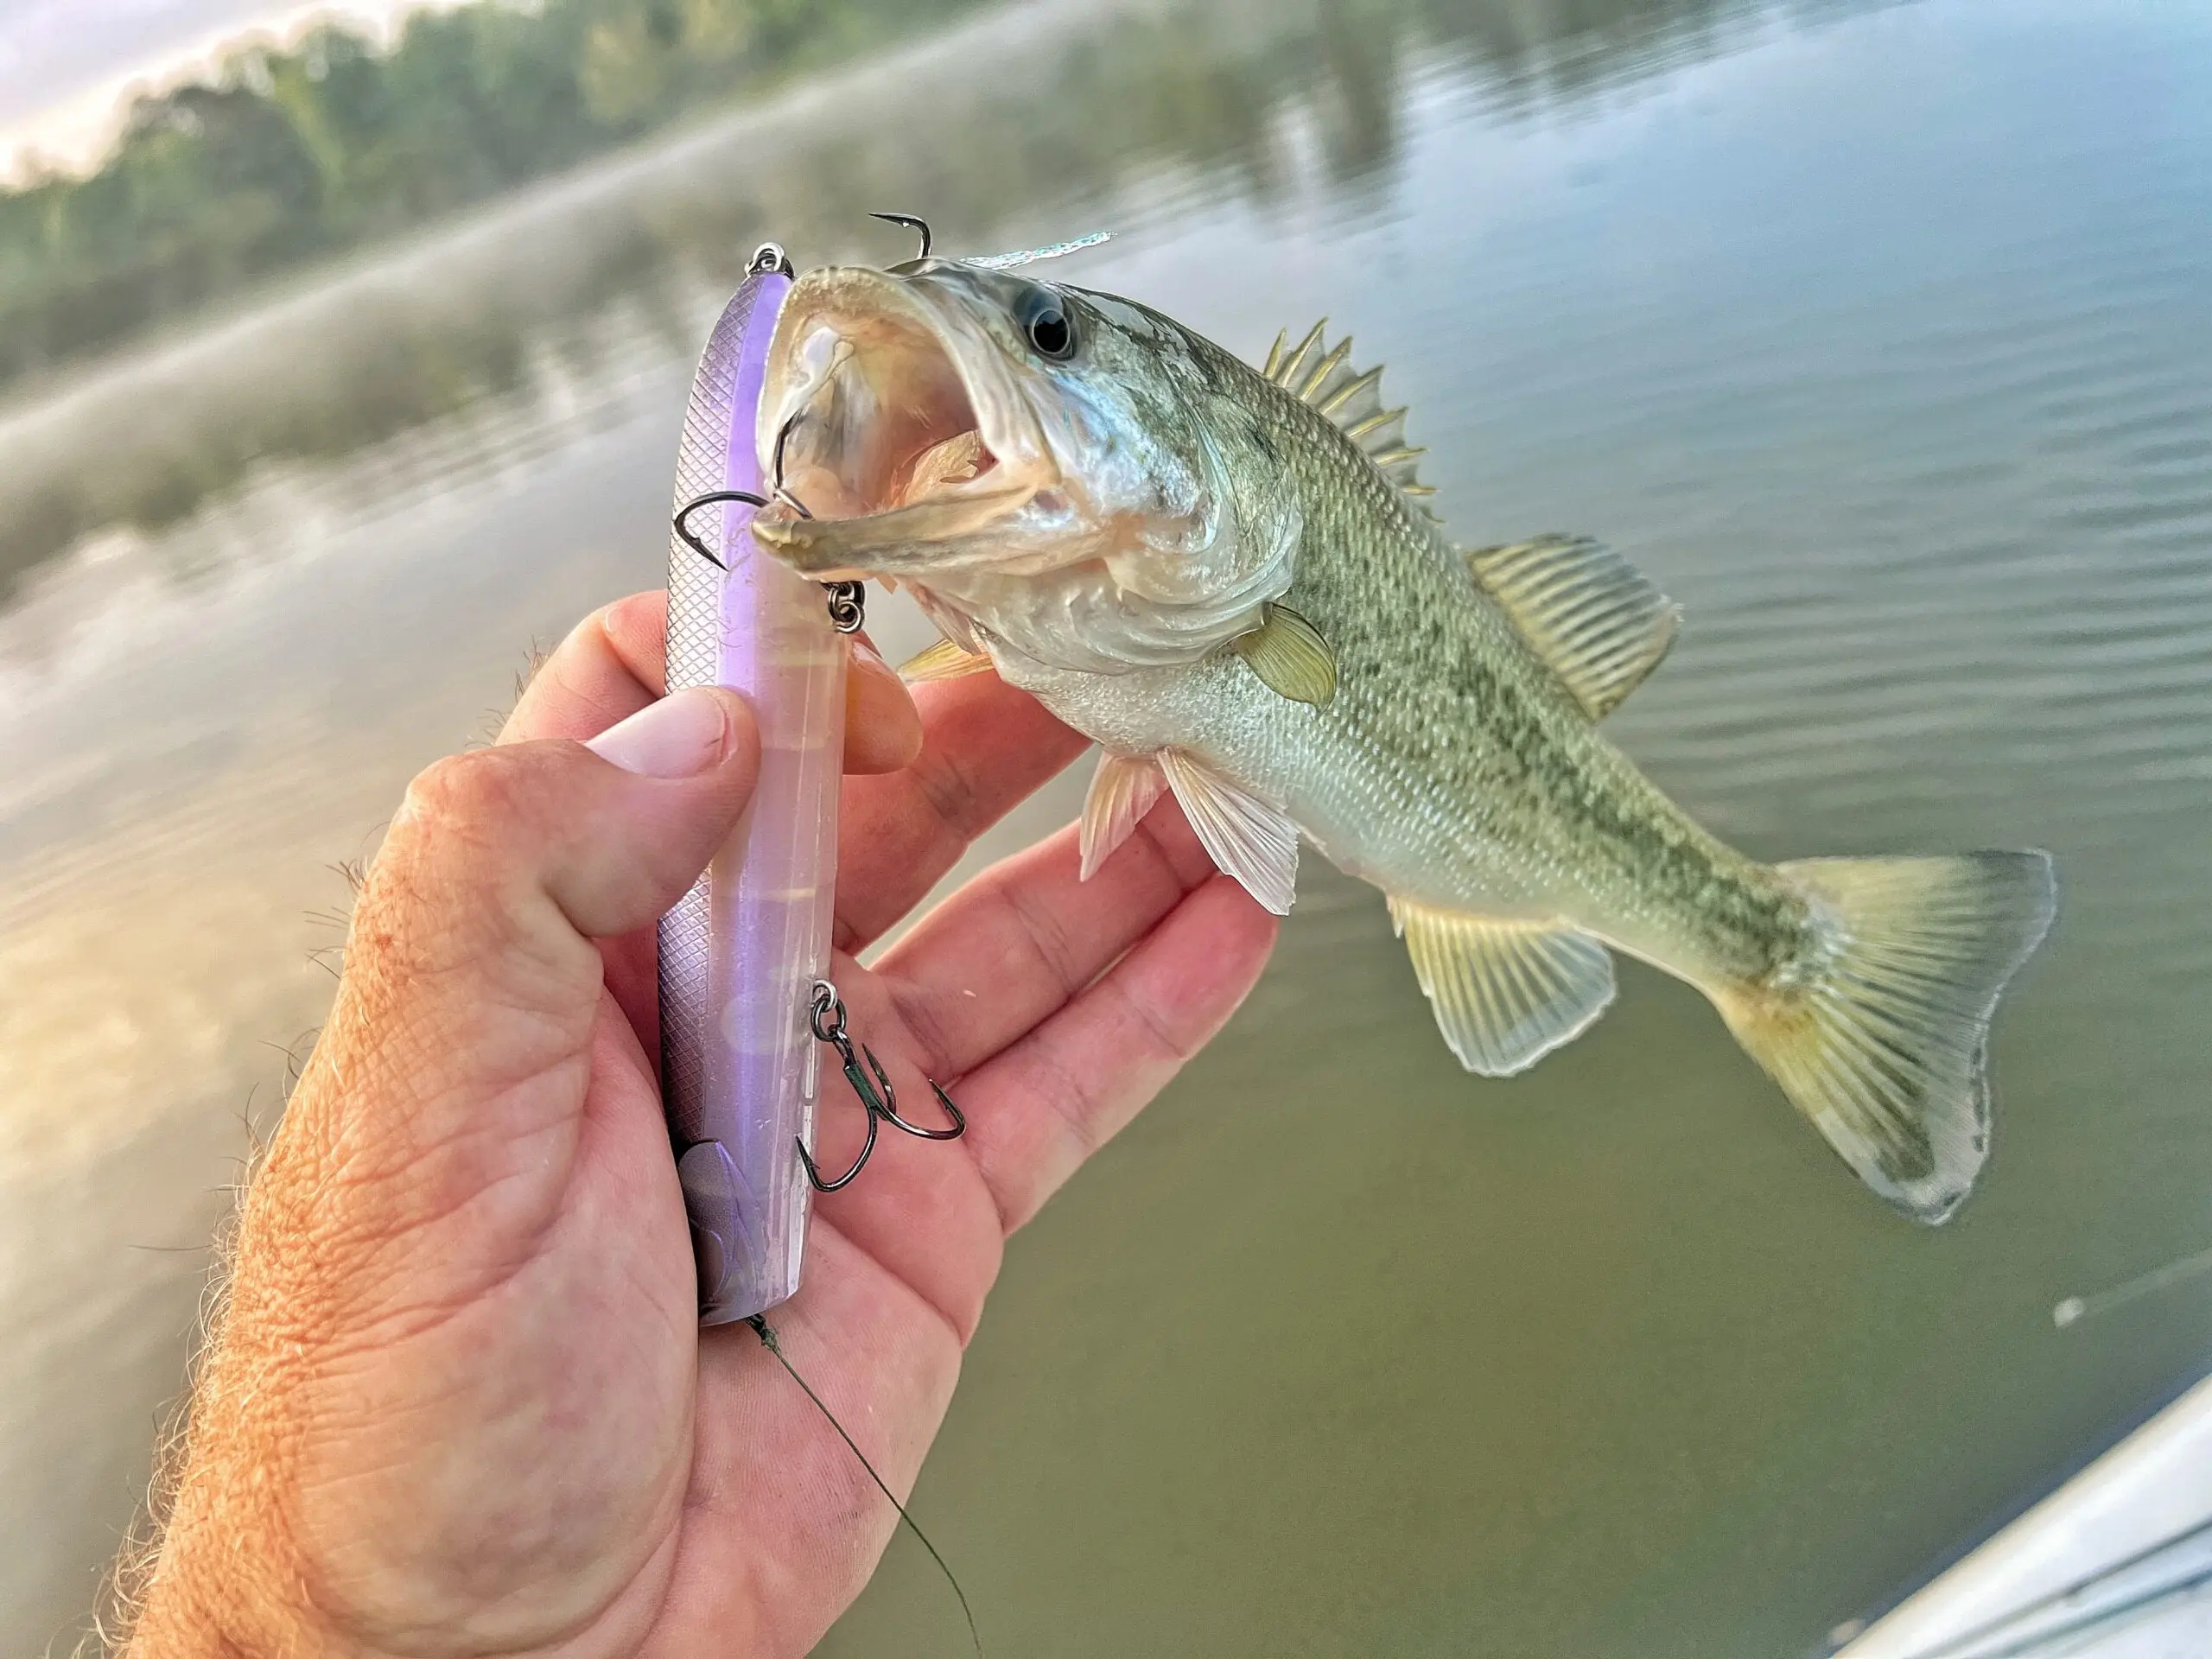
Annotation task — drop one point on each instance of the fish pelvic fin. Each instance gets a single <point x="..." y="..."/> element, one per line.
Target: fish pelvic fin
<point x="1318" y="373"/>
<point x="1595" y="618"/>
<point x="1505" y="993"/>
<point x="947" y="659"/>
<point x="1245" y="836"/>
<point x="1881" y="1037"/>
<point x="1121" y="791"/>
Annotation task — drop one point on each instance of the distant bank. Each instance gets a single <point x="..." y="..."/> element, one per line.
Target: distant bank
<point x="289" y="156"/>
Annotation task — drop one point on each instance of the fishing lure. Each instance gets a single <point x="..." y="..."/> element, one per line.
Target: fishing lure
<point x="746" y="1001"/>
<point x="746" y="1005"/>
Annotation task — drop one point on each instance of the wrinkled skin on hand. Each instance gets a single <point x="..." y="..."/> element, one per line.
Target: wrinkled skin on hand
<point x="459" y="1404"/>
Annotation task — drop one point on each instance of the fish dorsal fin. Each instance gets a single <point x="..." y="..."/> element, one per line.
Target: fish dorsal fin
<point x="1592" y="616"/>
<point x="1505" y="993"/>
<point x="1121" y="791"/>
<point x="1245" y="837"/>
<point x="1322" y="375"/>
<point x="945" y="660"/>
<point x="1291" y="658"/>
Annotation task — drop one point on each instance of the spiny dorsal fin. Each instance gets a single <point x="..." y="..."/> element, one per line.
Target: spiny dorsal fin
<point x="1291" y="658"/>
<point x="1505" y="993"/>
<point x="1322" y="375"/>
<point x="1592" y="616"/>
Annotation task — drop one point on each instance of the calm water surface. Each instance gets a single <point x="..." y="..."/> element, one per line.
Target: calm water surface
<point x="1880" y="335"/>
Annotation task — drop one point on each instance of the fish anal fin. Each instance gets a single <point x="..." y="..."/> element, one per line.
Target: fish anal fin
<point x="1245" y="837"/>
<point x="1121" y="791"/>
<point x="945" y="660"/>
<point x="1291" y="658"/>
<point x="1595" y="618"/>
<point x="1880" y="1037"/>
<point x="1505" y="992"/>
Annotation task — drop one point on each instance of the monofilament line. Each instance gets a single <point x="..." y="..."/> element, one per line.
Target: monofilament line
<point x="762" y="1329"/>
<point x="2075" y="1308"/>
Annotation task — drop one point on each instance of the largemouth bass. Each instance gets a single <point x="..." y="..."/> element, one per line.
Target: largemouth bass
<point x="1230" y="579"/>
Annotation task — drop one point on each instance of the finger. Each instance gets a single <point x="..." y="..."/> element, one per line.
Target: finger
<point x="612" y="664"/>
<point x="1022" y="939"/>
<point x="883" y="729"/>
<point x="986" y="748"/>
<point x="615" y="661"/>
<point x="1042" y="1107"/>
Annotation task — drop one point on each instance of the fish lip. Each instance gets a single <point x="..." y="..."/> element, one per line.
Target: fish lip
<point x="891" y="539"/>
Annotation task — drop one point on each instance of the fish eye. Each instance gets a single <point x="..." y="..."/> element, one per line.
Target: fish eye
<point x="1045" y="323"/>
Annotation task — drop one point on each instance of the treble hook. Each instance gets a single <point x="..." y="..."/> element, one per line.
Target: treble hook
<point x="911" y="223"/>
<point x="826" y="1017"/>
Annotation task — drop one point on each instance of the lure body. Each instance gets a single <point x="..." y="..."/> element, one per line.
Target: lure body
<point x="741" y="953"/>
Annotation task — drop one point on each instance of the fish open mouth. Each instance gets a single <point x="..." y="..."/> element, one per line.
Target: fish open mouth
<point x="887" y="426"/>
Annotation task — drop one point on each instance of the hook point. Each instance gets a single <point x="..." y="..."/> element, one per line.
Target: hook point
<point x="909" y="222"/>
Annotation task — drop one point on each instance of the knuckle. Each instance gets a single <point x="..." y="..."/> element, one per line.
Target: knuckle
<point x="461" y="796"/>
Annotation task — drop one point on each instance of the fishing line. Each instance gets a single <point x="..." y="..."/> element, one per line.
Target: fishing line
<point x="767" y="1332"/>
<point x="2075" y="1308"/>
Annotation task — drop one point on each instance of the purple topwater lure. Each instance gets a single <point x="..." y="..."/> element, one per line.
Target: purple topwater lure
<point x="745" y="1003"/>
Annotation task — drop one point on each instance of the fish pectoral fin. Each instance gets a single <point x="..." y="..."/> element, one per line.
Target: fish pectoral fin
<point x="1245" y="837"/>
<point x="1121" y="791"/>
<point x="1291" y="658"/>
<point x="1595" y="618"/>
<point x="1505" y="993"/>
<point x="945" y="660"/>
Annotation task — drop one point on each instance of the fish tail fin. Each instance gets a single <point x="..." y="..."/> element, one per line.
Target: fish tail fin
<point x="1882" y="1039"/>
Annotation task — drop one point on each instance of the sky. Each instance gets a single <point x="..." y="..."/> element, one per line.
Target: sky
<point x="67" y="66"/>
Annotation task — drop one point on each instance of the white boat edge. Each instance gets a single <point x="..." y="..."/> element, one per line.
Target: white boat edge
<point x="2153" y="1488"/>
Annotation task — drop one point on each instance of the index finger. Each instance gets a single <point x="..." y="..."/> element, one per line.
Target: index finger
<point x="986" y="748"/>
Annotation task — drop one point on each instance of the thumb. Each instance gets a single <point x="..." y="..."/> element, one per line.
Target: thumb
<point x="472" y="978"/>
<point x="559" y="837"/>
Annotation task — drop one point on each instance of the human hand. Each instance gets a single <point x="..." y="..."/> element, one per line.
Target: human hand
<point x="460" y="1403"/>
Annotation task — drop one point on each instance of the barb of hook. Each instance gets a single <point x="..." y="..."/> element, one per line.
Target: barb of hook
<point x="826" y="1019"/>
<point x="918" y="225"/>
<point x="681" y="523"/>
<point x="847" y="600"/>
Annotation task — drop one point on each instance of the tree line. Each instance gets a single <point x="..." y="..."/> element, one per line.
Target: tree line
<point x="292" y="155"/>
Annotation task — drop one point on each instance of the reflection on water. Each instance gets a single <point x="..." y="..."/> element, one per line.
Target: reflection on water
<point x="1171" y="99"/>
<point x="1880" y="336"/>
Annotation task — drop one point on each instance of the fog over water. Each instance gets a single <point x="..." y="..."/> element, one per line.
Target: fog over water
<point x="1880" y="336"/>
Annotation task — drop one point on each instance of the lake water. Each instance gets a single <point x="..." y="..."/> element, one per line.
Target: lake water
<point x="1880" y="335"/>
